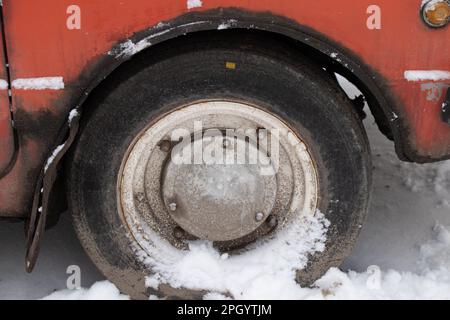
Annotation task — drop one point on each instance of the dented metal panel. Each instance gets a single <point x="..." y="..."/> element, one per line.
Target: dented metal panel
<point x="59" y="51"/>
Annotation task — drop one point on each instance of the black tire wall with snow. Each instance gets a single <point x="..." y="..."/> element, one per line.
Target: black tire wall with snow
<point x="270" y="74"/>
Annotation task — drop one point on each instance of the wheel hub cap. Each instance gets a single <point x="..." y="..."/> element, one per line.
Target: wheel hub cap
<point x="219" y="202"/>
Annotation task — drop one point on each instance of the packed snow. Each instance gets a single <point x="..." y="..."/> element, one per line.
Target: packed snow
<point x="245" y="276"/>
<point x="3" y="84"/>
<point x="74" y="113"/>
<point x="228" y="24"/>
<point x="432" y="75"/>
<point x="129" y="48"/>
<point x="403" y="251"/>
<point x="43" y="83"/>
<point x="54" y="154"/>
<point x="191" y="4"/>
<point x="102" y="290"/>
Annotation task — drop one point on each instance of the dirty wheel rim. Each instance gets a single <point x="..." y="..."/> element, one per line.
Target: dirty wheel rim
<point x="165" y="202"/>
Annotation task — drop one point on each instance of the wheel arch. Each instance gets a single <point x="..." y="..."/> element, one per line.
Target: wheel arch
<point x="325" y="51"/>
<point x="318" y="47"/>
<point x="321" y="49"/>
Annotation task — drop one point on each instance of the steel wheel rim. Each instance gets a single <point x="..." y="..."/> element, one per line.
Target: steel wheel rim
<point x="146" y="212"/>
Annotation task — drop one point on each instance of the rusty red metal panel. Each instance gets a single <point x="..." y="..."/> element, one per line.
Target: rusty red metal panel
<point x="41" y="45"/>
<point x="6" y="132"/>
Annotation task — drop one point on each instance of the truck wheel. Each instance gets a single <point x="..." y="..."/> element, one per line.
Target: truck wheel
<point x="136" y="202"/>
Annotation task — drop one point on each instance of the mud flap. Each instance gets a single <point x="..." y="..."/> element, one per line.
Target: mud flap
<point x="38" y="218"/>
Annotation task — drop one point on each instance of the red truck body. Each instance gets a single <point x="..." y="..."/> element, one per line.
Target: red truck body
<point x="79" y="43"/>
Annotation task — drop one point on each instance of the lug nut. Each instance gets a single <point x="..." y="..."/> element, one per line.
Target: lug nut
<point x="259" y="216"/>
<point x="165" y="146"/>
<point x="173" y="206"/>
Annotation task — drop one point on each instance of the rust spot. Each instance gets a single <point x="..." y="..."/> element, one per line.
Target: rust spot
<point x="434" y="90"/>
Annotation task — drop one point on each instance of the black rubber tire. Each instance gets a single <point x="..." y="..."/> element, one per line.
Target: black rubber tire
<point x="268" y="74"/>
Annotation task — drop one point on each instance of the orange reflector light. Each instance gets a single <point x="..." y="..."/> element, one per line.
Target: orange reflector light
<point x="436" y="13"/>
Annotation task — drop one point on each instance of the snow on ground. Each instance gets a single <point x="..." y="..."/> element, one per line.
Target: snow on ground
<point x="102" y="290"/>
<point x="246" y="276"/>
<point x="403" y="251"/>
<point x="59" y="250"/>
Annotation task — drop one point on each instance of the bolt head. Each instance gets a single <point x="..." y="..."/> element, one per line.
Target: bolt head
<point x="259" y="216"/>
<point x="165" y="145"/>
<point x="173" y="206"/>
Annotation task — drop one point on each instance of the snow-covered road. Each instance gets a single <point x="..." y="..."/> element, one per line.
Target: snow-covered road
<point x="408" y="202"/>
